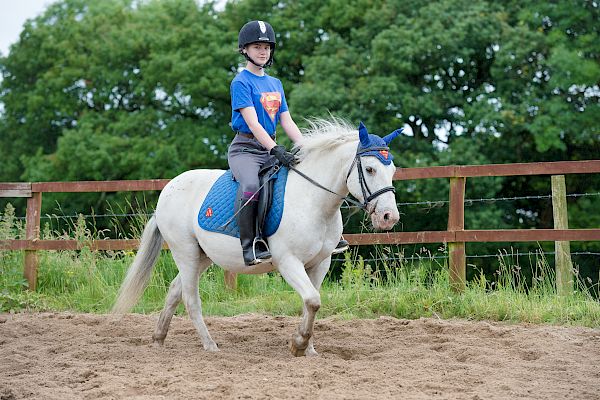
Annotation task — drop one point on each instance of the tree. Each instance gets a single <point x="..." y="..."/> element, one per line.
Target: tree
<point x="123" y="89"/>
<point x="117" y="90"/>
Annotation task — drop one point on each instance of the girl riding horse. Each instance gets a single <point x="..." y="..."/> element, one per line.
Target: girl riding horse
<point x="258" y="104"/>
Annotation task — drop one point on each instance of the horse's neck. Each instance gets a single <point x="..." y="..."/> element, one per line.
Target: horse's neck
<point x="330" y="170"/>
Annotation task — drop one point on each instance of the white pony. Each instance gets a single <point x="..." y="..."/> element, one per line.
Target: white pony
<point x="310" y="227"/>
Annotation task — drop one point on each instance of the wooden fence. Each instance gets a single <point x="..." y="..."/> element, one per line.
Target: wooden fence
<point x="455" y="236"/>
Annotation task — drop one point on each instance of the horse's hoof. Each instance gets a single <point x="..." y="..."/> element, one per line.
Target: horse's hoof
<point x="296" y="351"/>
<point x="158" y="342"/>
<point x="311" y="352"/>
<point x="211" y="347"/>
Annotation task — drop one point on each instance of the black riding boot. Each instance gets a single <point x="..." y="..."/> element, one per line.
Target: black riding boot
<point x="255" y="252"/>
<point x="341" y="247"/>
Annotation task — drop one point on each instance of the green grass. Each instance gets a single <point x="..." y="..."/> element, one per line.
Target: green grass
<point x="87" y="281"/>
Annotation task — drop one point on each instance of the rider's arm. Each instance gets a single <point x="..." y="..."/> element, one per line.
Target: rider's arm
<point x="249" y="114"/>
<point x="290" y="127"/>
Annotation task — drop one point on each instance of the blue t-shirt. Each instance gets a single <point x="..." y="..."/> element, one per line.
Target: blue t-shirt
<point x="264" y="93"/>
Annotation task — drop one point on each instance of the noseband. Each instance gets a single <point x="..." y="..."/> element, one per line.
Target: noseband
<point x="366" y="191"/>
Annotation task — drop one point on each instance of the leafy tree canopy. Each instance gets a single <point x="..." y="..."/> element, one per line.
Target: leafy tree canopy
<point x="117" y="90"/>
<point x="125" y="89"/>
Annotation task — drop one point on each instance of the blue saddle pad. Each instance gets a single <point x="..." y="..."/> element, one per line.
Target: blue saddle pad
<point x="218" y="206"/>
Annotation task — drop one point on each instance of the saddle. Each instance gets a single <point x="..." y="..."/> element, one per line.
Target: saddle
<point x="267" y="176"/>
<point x="217" y="211"/>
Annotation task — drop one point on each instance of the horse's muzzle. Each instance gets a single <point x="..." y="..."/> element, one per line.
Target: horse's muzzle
<point x="385" y="219"/>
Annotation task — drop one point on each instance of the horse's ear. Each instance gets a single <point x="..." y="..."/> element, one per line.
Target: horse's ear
<point x="363" y="135"/>
<point x="392" y="136"/>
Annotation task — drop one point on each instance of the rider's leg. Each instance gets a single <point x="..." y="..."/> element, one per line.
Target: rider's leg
<point x="341" y="247"/>
<point x="245" y="157"/>
<point x="246" y="220"/>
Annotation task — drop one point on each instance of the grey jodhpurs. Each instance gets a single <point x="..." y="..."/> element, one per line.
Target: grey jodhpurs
<point x="246" y="156"/>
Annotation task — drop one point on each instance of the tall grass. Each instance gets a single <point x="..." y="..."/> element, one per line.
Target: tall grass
<point x="398" y="286"/>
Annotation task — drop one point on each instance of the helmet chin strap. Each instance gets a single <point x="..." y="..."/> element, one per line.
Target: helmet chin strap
<point x="266" y="65"/>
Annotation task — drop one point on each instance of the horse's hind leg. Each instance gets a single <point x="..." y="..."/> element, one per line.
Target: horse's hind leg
<point x="171" y="303"/>
<point x="294" y="273"/>
<point x="192" y="262"/>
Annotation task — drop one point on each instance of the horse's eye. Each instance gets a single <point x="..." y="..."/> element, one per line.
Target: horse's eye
<point x="370" y="170"/>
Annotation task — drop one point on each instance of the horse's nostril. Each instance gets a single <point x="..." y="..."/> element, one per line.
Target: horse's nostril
<point x="386" y="216"/>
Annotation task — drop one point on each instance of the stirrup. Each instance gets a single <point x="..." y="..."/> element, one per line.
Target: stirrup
<point x="266" y="257"/>
<point x="341" y="247"/>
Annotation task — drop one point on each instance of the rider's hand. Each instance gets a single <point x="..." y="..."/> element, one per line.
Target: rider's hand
<point x="285" y="157"/>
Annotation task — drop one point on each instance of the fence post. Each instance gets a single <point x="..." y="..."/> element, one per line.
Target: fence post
<point x="456" y="222"/>
<point x="231" y="280"/>
<point x="562" y="249"/>
<point x="32" y="232"/>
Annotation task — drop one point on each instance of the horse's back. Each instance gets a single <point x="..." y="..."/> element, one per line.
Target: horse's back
<point x="182" y="197"/>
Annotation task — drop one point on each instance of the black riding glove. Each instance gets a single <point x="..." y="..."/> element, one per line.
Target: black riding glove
<point x="286" y="158"/>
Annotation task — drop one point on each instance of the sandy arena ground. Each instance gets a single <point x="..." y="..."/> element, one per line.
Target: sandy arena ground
<point x="82" y="356"/>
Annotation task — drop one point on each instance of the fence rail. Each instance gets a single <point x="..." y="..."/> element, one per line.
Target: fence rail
<point x="455" y="236"/>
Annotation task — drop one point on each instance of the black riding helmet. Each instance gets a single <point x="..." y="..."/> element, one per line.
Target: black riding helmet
<point x="253" y="32"/>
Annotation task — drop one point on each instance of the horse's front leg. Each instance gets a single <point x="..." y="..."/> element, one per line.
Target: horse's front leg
<point x="295" y="275"/>
<point x="316" y="275"/>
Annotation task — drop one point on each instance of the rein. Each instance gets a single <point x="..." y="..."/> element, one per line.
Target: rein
<point x="361" y="179"/>
<point x="348" y="199"/>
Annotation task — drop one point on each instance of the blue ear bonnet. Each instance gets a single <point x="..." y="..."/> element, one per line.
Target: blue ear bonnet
<point x="373" y="145"/>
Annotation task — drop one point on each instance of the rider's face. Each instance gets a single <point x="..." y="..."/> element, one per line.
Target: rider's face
<point x="259" y="52"/>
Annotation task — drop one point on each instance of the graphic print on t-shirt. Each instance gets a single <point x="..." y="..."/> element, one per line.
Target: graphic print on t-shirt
<point x="271" y="101"/>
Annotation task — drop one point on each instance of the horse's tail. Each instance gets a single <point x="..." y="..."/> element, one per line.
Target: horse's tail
<point x="139" y="273"/>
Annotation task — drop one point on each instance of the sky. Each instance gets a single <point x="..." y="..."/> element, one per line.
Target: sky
<point x="15" y="12"/>
<point x="13" y="16"/>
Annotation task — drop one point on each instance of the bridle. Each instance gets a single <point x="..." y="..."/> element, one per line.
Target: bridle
<point x="361" y="176"/>
<point x="366" y="191"/>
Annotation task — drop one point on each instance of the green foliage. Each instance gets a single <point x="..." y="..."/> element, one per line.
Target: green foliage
<point x="117" y="90"/>
<point x="13" y="296"/>
<point x="88" y="282"/>
<point x="19" y="300"/>
<point x="9" y="227"/>
<point x="399" y="286"/>
<point x="123" y="89"/>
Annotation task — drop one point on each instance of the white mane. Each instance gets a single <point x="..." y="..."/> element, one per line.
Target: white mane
<point x="325" y="135"/>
